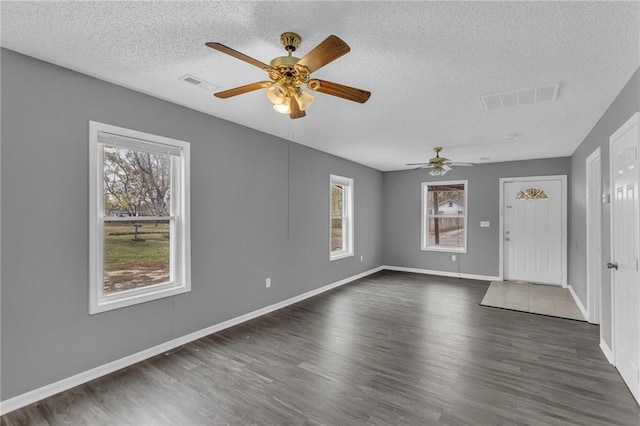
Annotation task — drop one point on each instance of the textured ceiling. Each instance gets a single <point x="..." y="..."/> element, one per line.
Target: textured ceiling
<point x="426" y="64"/>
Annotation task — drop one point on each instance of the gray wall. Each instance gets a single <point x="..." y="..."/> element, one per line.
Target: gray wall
<point x="623" y="107"/>
<point x="250" y="220"/>
<point x="401" y="215"/>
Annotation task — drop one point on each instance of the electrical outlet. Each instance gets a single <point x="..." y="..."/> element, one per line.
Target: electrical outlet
<point x="453" y="257"/>
<point x="268" y="282"/>
<point x="361" y="258"/>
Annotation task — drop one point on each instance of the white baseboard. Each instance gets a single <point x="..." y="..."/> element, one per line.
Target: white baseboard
<point x="39" y="394"/>
<point x="583" y="310"/>
<point x="608" y="353"/>
<point x="442" y="273"/>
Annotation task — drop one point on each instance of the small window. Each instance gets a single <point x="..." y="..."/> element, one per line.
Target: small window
<point x="532" y="194"/>
<point x="445" y="230"/>
<point x="139" y="237"/>
<point x="341" y="217"/>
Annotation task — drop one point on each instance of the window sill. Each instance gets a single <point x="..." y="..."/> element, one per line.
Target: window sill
<point x="340" y="256"/>
<point x="117" y="301"/>
<point x="446" y="249"/>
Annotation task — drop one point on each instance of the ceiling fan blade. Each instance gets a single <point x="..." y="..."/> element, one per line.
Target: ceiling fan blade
<point x="238" y="55"/>
<point x="456" y="164"/>
<point x="421" y="167"/>
<point x="296" y="112"/>
<point x="328" y="51"/>
<point x="243" y="89"/>
<point x="339" y="90"/>
<point x="417" y="164"/>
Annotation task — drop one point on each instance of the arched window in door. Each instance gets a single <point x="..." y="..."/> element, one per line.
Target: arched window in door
<point x="532" y="194"/>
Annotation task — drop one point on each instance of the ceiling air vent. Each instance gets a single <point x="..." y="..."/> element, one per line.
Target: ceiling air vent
<point x="200" y="83"/>
<point x="530" y="95"/>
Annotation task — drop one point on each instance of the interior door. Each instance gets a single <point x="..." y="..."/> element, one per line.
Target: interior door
<point x="533" y="229"/>
<point x="624" y="251"/>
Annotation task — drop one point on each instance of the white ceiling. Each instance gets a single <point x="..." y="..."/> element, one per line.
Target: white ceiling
<point x="426" y="64"/>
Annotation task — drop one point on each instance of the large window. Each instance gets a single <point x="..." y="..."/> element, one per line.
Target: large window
<point x="341" y="217"/>
<point x="139" y="225"/>
<point x="444" y="216"/>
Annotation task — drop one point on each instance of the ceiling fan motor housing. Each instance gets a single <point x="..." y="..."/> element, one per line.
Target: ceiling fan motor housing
<point x="285" y="71"/>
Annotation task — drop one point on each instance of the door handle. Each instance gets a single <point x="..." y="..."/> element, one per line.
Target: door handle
<point x="507" y="239"/>
<point x="612" y="265"/>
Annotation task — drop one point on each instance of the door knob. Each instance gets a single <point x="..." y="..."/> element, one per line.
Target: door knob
<point x="507" y="239"/>
<point x="612" y="265"/>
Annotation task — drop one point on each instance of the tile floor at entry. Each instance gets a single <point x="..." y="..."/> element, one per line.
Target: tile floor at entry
<point x="533" y="298"/>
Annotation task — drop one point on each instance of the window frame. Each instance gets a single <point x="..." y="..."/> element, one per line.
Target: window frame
<point x="179" y="219"/>
<point x="424" y="228"/>
<point x="347" y="217"/>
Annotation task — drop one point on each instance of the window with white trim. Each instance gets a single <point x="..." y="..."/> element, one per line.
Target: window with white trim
<point x="444" y="216"/>
<point x="139" y="217"/>
<point x="340" y="217"/>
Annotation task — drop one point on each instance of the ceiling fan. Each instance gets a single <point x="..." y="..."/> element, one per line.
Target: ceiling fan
<point x="288" y="73"/>
<point x="439" y="165"/>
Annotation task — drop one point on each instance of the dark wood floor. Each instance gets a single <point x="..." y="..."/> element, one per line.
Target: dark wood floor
<point x="391" y="349"/>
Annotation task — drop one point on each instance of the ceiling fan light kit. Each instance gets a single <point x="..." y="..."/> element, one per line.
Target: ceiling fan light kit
<point x="304" y="99"/>
<point x="288" y="73"/>
<point x="277" y="93"/>
<point x="280" y="95"/>
<point x="439" y="170"/>
<point x="283" y="107"/>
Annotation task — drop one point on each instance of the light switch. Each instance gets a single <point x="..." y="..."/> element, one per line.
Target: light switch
<point x="485" y="224"/>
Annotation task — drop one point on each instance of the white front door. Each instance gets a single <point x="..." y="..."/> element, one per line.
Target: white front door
<point x="533" y="229"/>
<point x="625" y="238"/>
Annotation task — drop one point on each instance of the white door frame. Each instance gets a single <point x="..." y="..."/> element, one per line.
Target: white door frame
<point x="593" y="168"/>
<point x="632" y="121"/>
<point x="563" y="179"/>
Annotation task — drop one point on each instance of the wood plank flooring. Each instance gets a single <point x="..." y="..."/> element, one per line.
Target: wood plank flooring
<point x="390" y="349"/>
